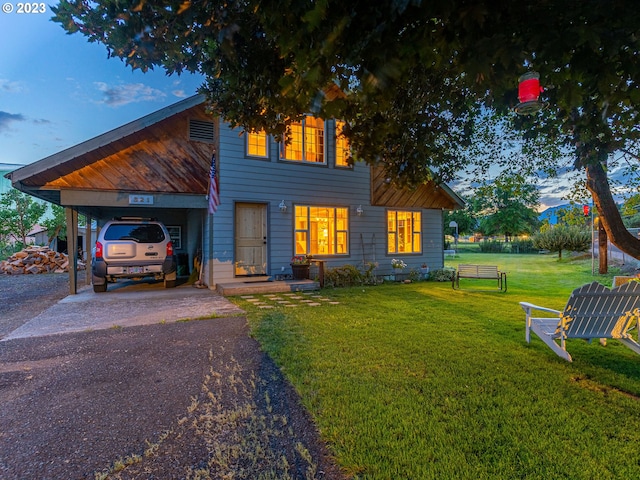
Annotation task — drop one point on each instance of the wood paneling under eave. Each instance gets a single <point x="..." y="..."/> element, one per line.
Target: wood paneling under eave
<point x="428" y="195"/>
<point x="159" y="158"/>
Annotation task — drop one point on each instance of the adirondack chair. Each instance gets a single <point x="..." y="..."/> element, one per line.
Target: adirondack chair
<point x="592" y="311"/>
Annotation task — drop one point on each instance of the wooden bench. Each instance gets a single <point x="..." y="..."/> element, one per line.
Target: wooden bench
<point x="592" y="311"/>
<point x="481" y="272"/>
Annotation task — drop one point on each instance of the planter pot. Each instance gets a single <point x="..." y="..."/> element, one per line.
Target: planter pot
<point x="400" y="276"/>
<point x="300" y="271"/>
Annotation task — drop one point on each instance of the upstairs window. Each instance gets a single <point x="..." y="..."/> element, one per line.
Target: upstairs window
<point x="321" y="230"/>
<point x="257" y="144"/>
<point x="304" y="141"/>
<point x="342" y="146"/>
<point x="404" y="232"/>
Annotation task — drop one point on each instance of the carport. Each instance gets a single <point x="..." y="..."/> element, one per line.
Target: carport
<point x="156" y="166"/>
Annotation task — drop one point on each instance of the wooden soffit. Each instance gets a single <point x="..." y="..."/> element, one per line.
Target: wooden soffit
<point x="427" y="195"/>
<point x="153" y="154"/>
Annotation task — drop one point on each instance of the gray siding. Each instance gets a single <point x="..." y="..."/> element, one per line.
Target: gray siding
<point x="269" y="181"/>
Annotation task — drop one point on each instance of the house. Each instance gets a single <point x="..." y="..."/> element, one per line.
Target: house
<point x="276" y="200"/>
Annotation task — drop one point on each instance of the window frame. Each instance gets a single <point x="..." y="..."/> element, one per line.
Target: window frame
<point x="416" y="236"/>
<point x="341" y="143"/>
<point x="307" y="231"/>
<point x="248" y="136"/>
<point x="285" y="144"/>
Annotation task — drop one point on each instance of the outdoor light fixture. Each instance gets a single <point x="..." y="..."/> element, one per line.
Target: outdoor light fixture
<point x="529" y="91"/>
<point x="359" y="210"/>
<point x="283" y="206"/>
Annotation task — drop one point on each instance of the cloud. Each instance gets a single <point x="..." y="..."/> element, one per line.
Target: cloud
<point x="7" y="118"/>
<point x="118" y="95"/>
<point x="179" y="93"/>
<point x="7" y="86"/>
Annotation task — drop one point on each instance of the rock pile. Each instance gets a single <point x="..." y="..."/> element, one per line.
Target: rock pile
<point x="33" y="260"/>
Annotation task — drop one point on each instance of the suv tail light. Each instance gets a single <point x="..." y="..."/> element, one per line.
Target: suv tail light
<point x="169" y="248"/>
<point x="98" y="250"/>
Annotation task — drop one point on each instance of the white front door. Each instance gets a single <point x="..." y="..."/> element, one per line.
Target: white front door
<point x="251" y="239"/>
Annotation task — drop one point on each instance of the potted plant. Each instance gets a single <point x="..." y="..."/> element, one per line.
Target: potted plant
<point x="424" y="271"/>
<point x="398" y="266"/>
<point x="300" y="267"/>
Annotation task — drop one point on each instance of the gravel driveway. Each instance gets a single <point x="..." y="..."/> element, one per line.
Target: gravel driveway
<point x="194" y="399"/>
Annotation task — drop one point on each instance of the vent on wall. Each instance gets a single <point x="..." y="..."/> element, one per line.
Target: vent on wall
<point x="201" y="131"/>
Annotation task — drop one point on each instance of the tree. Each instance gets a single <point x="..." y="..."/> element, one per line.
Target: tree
<point x="56" y="225"/>
<point x="559" y="238"/>
<point x="464" y="217"/>
<point x="19" y="213"/>
<point x="414" y="80"/>
<point x="507" y="206"/>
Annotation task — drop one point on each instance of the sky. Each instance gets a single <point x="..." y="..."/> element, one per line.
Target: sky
<point x="58" y="90"/>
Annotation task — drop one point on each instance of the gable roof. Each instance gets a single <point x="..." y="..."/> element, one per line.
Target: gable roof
<point x="151" y="154"/>
<point x="108" y="151"/>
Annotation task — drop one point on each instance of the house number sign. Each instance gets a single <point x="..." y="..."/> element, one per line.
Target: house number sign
<point x="140" y="199"/>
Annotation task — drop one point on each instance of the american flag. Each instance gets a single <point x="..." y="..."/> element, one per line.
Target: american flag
<point x="214" y="199"/>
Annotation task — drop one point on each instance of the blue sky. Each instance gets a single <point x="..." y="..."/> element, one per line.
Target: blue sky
<point x="57" y="90"/>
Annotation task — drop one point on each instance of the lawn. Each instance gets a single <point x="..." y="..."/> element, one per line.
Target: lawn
<point x="417" y="381"/>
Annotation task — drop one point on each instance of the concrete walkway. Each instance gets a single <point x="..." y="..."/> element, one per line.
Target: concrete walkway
<point x="126" y="304"/>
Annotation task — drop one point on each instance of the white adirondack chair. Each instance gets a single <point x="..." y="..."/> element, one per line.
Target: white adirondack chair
<point x="592" y="311"/>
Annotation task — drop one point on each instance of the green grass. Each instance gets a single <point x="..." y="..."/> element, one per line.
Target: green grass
<point x="419" y="381"/>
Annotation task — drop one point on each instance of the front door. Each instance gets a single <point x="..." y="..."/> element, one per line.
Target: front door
<point x="251" y="239"/>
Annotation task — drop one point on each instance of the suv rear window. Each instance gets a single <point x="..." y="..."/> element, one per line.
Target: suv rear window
<point x="151" y="233"/>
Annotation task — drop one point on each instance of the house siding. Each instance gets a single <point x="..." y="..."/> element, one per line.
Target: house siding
<point x="270" y="180"/>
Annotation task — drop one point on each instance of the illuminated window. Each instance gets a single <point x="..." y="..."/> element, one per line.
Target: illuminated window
<point x="404" y="232"/>
<point x="321" y="231"/>
<point x="257" y="144"/>
<point x="304" y="141"/>
<point x="342" y="146"/>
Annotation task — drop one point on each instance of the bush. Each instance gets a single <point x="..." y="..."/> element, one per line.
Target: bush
<point x="570" y="238"/>
<point x="491" y="246"/>
<point x="523" y="246"/>
<point x="350" y="276"/>
<point x="442" y="275"/>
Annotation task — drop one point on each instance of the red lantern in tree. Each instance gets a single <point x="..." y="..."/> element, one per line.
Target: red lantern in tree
<point x="585" y="210"/>
<point x="529" y="91"/>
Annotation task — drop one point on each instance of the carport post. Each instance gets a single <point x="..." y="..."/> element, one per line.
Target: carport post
<point x="88" y="245"/>
<point x="72" y="248"/>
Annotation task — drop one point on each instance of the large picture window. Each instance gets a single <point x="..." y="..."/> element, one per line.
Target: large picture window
<point x="321" y="230"/>
<point x="342" y="146"/>
<point x="257" y="144"/>
<point x="404" y="232"/>
<point x="305" y="141"/>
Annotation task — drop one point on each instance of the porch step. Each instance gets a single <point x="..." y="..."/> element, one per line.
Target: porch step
<point x="245" y="288"/>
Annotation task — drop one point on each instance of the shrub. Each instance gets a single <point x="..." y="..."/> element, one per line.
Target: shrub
<point x="349" y="276"/>
<point x="570" y="238"/>
<point x="523" y="246"/>
<point x="442" y="275"/>
<point x="491" y="246"/>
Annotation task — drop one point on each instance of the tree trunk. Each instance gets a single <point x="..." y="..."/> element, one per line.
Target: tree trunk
<point x="603" y="254"/>
<point x="610" y="217"/>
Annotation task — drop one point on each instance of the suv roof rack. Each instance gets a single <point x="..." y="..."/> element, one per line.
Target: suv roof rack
<point x="146" y="219"/>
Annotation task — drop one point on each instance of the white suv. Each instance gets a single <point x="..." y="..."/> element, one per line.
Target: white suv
<point x="133" y="248"/>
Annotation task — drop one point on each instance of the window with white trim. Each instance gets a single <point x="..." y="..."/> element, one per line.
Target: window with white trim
<point x="304" y="142"/>
<point x="404" y="231"/>
<point x="257" y="144"/>
<point x="321" y="230"/>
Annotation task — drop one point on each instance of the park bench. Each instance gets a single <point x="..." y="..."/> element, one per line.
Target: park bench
<point x="482" y="272"/>
<point x="592" y="311"/>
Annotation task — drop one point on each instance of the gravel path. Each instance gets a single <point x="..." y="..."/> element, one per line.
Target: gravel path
<point x="185" y="400"/>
